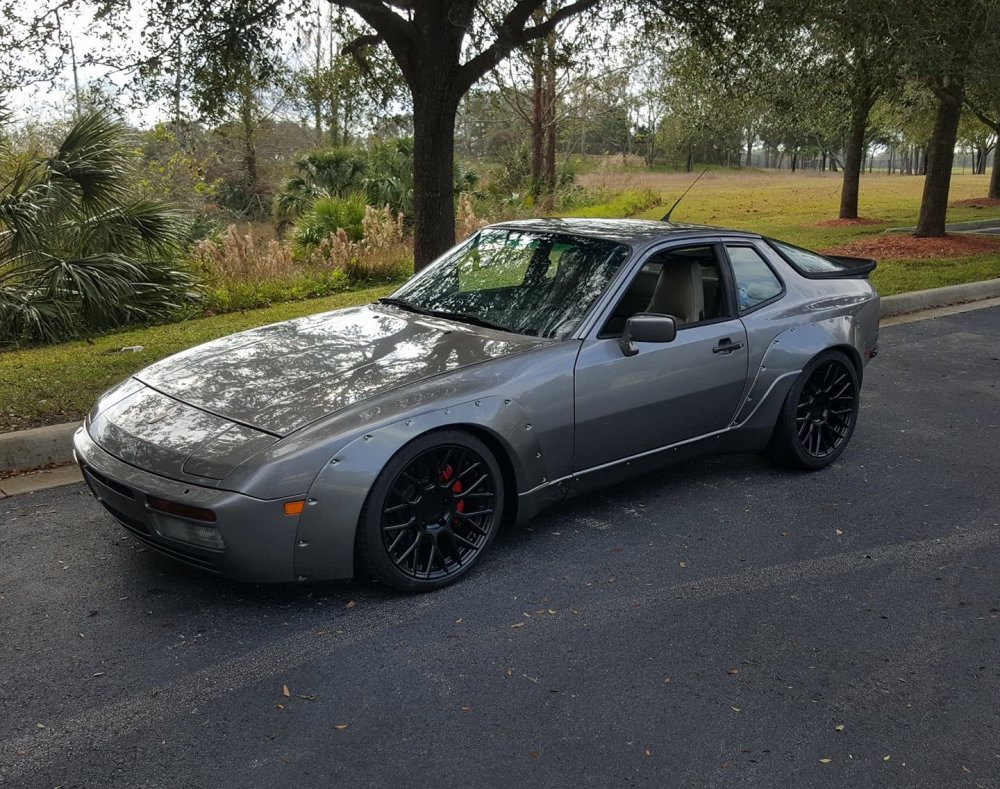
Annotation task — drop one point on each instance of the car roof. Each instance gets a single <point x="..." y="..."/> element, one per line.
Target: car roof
<point x="627" y="231"/>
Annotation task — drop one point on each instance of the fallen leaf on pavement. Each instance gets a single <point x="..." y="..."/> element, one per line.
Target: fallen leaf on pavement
<point x="285" y="692"/>
<point x="351" y="604"/>
<point x="840" y="727"/>
<point x="535" y="754"/>
<point x="824" y="761"/>
<point x="733" y="671"/>
<point x="340" y="726"/>
<point x="518" y="624"/>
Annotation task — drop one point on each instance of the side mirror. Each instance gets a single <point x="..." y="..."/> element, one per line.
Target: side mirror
<point x="646" y="327"/>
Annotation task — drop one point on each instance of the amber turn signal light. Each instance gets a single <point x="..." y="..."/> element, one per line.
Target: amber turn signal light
<point x="294" y="507"/>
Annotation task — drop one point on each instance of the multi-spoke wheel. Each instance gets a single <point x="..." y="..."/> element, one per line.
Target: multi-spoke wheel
<point x="432" y="512"/>
<point x="819" y="414"/>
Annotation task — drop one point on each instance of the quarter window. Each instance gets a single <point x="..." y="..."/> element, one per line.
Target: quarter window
<point x="755" y="282"/>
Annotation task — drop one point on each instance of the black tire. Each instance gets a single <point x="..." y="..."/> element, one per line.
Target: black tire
<point x="431" y="514"/>
<point x="818" y="416"/>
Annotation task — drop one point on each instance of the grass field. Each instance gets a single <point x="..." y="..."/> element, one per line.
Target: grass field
<point x="59" y="383"/>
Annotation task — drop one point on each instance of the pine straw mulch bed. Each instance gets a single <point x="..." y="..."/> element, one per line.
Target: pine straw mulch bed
<point x="893" y="246"/>
<point x="857" y="222"/>
<point x="977" y="202"/>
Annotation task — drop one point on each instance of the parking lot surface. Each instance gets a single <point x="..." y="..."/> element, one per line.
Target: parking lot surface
<point x="721" y="623"/>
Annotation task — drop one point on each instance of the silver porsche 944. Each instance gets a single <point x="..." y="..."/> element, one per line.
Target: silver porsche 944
<point x="536" y="360"/>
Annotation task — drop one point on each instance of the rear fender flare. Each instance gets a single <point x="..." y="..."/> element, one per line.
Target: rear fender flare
<point x="786" y="356"/>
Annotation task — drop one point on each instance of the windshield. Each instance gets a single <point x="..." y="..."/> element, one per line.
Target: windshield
<point x="528" y="282"/>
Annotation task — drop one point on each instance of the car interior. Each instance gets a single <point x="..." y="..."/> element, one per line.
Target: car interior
<point x="683" y="283"/>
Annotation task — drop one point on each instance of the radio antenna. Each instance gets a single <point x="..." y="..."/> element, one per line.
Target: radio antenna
<point x="666" y="216"/>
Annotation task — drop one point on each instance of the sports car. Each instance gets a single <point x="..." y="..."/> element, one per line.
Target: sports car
<point x="536" y="360"/>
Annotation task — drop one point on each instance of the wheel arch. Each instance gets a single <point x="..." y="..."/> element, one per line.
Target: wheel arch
<point x="503" y="453"/>
<point x="329" y="523"/>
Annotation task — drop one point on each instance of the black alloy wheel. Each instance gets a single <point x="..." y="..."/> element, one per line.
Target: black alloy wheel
<point x="818" y="417"/>
<point x="433" y="511"/>
<point x="825" y="412"/>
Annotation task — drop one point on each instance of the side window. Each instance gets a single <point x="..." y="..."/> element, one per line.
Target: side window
<point x="755" y="282"/>
<point x="685" y="283"/>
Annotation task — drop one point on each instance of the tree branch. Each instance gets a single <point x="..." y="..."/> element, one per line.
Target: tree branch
<point x="513" y="33"/>
<point x="393" y="29"/>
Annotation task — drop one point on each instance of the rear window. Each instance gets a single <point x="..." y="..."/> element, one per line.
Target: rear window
<point x="806" y="262"/>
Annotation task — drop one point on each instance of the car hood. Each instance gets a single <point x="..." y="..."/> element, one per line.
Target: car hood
<point x="282" y="377"/>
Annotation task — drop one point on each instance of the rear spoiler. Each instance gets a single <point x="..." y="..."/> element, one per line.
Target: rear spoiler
<point x="856" y="268"/>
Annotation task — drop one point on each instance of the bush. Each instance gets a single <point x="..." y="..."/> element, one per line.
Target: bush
<point x="324" y="219"/>
<point x="80" y="250"/>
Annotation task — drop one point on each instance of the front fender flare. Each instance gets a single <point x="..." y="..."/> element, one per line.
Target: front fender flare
<point x="324" y="548"/>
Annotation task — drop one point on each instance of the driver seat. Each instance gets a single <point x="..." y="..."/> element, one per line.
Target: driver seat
<point x="679" y="292"/>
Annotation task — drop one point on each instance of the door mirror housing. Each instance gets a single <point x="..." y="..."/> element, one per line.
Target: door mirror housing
<point x="646" y="327"/>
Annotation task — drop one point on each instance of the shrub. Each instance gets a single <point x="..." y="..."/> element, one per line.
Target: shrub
<point x="325" y="218"/>
<point x="80" y="250"/>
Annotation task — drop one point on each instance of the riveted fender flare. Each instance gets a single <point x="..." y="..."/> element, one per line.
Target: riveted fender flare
<point x="324" y="547"/>
<point x="786" y="356"/>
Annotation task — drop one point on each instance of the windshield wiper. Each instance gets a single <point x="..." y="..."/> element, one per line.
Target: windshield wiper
<point x="402" y="303"/>
<point x="461" y="317"/>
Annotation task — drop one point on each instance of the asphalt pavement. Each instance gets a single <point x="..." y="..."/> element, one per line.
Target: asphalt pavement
<point x="721" y="623"/>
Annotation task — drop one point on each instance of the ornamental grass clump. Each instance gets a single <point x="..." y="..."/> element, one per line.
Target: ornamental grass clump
<point x="382" y="252"/>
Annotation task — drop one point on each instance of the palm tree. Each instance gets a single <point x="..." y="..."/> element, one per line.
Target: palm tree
<point x="80" y="251"/>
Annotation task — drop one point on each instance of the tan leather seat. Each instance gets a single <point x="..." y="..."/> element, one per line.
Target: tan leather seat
<point x="679" y="292"/>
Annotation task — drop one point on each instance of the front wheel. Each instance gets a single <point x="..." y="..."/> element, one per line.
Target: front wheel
<point x="818" y="416"/>
<point x="432" y="512"/>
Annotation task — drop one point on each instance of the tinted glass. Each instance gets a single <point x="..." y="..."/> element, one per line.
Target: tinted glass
<point x="540" y="284"/>
<point x="807" y="261"/>
<point x="755" y="282"/>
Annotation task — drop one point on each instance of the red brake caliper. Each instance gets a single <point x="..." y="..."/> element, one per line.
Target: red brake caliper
<point x="446" y="475"/>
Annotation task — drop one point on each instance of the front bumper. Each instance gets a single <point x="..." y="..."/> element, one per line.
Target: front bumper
<point x="258" y="537"/>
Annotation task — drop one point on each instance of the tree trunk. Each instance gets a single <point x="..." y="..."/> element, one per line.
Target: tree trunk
<point x="940" y="159"/>
<point x="537" y="119"/>
<point x="551" y="135"/>
<point x="749" y="147"/>
<point x="853" y="162"/>
<point x="433" y="174"/>
<point x="994" y="191"/>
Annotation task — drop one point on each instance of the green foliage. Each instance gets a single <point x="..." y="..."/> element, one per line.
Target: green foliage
<point x="80" y="250"/>
<point x="382" y="175"/>
<point x="325" y="218"/>
<point x="623" y="205"/>
<point x="335" y="172"/>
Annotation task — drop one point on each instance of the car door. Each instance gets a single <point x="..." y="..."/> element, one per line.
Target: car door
<point x="667" y="392"/>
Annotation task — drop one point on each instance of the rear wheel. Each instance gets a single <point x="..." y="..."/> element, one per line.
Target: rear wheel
<point x="819" y="414"/>
<point x="432" y="512"/>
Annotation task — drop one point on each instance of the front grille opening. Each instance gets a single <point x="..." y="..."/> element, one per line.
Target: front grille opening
<point x="117" y="487"/>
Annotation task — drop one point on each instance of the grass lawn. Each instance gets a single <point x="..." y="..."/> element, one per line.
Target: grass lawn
<point x="791" y="208"/>
<point x="59" y="383"/>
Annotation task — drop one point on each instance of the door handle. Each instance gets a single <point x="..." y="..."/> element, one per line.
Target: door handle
<point x="727" y="346"/>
